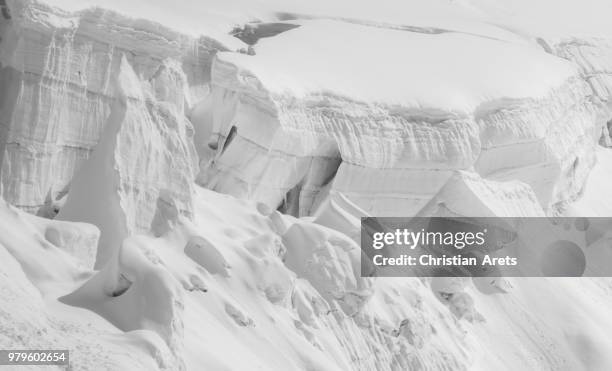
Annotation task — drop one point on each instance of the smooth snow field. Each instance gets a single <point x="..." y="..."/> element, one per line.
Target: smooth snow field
<point x="182" y="182"/>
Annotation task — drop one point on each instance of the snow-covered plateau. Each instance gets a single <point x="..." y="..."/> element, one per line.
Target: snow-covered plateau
<point x="182" y="182"/>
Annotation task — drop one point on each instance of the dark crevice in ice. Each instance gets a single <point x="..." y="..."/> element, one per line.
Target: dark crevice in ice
<point x="252" y="32"/>
<point x="123" y="284"/>
<point x="300" y="199"/>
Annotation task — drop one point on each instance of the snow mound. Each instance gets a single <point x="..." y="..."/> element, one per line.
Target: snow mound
<point x="40" y="266"/>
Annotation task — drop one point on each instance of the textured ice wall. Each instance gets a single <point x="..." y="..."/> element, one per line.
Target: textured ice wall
<point x="57" y="70"/>
<point x="146" y="148"/>
<point x="594" y="57"/>
<point x="530" y="117"/>
<point x="579" y="32"/>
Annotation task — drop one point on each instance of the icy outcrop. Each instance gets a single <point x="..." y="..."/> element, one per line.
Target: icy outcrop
<point x="594" y="58"/>
<point x="146" y="149"/>
<point x="465" y="193"/>
<point x="290" y="128"/>
<point x="56" y="72"/>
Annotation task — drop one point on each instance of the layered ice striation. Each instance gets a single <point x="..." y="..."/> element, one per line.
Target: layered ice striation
<point x="593" y="55"/>
<point x="146" y="149"/>
<point x="389" y="116"/>
<point x="58" y="72"/>
<point x="579" y="32"/>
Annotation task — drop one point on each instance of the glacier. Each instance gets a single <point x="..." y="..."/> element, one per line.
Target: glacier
<point x="59" y="70"/>
<point x="305" y="124"/>
<point x="178" y="198"/>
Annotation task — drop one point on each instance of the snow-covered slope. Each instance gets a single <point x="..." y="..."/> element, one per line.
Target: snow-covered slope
<point x="240" y="280"/>
<point x="41" y="261"/>
<point x="195" y="294"/>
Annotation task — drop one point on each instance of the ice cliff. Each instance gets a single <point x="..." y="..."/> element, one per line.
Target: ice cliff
<point x="146" y="148"/>
<point x="312" y="126"/>
<point x="198" y="195"/>
<point x="504" y="111"/>
<point x="59" y="76"/>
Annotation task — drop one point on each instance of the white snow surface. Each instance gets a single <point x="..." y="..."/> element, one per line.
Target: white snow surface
<point x="450" y="72"/>
<point x="242" y="288"/>
<point x="587" y="17"/>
